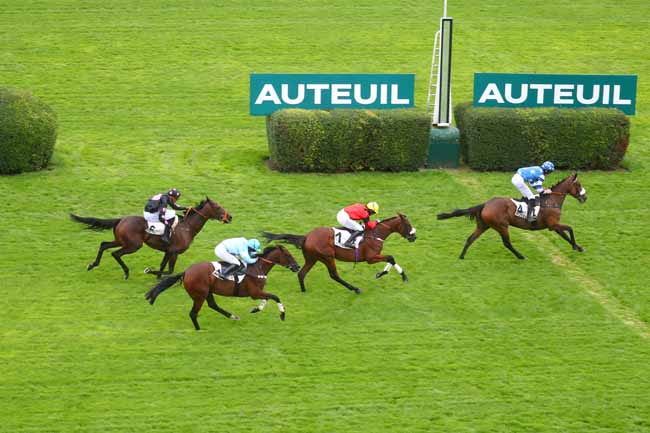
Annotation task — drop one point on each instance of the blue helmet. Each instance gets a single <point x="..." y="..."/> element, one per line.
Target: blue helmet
<point x="254" y="244"/>
<point x="548" y="166"/>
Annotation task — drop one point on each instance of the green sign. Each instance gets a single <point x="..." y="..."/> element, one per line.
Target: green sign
<point x="550" y="90"/>
<point x="272" y="92"/>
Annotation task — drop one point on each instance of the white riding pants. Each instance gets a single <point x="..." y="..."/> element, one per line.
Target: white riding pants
<point x="520" y="184"/>
<point x="152" y="217"/>
<point x="223" y="254"/>
<point x="344" y="219"/>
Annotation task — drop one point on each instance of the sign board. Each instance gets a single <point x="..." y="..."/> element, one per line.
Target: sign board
<point x="551" y="90"/>
<point x="272" y="92"/>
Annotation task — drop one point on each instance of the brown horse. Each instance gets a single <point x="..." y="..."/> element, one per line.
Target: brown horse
<point x="130" y="233"/>
<point x="499" y="213"/>
<point x="200" y="283"/>
<point x="318" y="246"/>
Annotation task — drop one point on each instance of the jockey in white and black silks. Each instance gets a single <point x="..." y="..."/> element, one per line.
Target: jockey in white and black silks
<point x="156" y="211"/>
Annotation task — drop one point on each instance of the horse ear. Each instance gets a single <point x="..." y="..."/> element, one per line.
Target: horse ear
<point x="400" y="214"/>
<point x="207" y="198"/>
<point x="575" y="176"/>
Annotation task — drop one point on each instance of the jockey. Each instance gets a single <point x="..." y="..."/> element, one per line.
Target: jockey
<point x="535" y="177"/>
<point x="349" y="216"/>
<point x="156" y="211"/>
<point x="238" y="252"/>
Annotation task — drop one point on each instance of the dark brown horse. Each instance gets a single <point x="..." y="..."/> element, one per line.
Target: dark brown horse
<point x="201" y="284"/>
<point x="130" y="233"/>
<point x="499" y="213"/>
<point x="318" y="246"/>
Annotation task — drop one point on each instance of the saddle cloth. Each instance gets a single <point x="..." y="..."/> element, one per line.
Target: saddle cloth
<point x="158" y="228"/>
<point x="521" y="209"/>
<point x="217" y="268"/>
<point x="341" y="236"/>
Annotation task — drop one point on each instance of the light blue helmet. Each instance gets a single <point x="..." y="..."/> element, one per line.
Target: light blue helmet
<point x="254" y="244"/>
<point x="548" y="166"/>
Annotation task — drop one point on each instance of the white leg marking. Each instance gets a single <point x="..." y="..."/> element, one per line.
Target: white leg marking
<point x="398" y="268"/>
<point x="387" y="267"/>
<point x="262" y="304"/>
<point x="280" y="307"/>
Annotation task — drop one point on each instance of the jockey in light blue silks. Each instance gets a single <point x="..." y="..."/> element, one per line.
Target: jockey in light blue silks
<point x="238" y="252"/>
<point x="535" y="177"/>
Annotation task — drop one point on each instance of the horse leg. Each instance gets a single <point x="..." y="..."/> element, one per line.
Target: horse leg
<point x="119" y="253"/>
<point x="560" y="229"/>
<point x="480" y="229"/>
<point x="194" y="312"/>
<point x="172" y="262"/>
<point x="102" y="247"/>
<point x="261" y="294"/>
<point x="309" y="263"/>
<point x="213" y="304"/>
<point x="389" y="265"/>
<point x="331" y="267"/>
<point x="160" y="272"/>
<point x="505" y="237"/>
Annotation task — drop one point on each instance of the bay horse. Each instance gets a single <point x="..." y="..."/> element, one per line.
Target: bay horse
<point x="499" y="213"/>
<point x="318" y="246"/>
<point x="130" y="234"/>
<point x="201" y="284"/>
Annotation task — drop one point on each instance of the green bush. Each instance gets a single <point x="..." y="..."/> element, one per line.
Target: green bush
<point x="506" y="138"/>
<point x="348" y="140"/>
<point x="27" y="132"/>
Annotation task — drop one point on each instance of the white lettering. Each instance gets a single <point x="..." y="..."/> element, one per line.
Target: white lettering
<point x="267" y="94"/>
<point x="298" y="99"/>
<point x="383" y="94"/>
<point x="491" y="92"/>
<point x="580" y="94"/>
<point x="358" y="97"/>
<point x="522" y="96"/>
<point x="340" y="91"/>
<point x="563" y="91"/>
<point x="540" y="91"/>
<point x="394" y="95"/>
<point x="606" y="94"/>
<point x="318" y="89"/>
<point x="617" y="97"/>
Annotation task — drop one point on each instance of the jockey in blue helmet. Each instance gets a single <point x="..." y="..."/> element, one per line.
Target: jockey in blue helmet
<point x="534" y="176"/>
<point x="238" y="252"/>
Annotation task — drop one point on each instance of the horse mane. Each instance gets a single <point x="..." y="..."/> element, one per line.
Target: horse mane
<point x="389" y="219"/>
<point x="268" y="250"/>
<point x="200" y="204"/>
<point x="562" y="181"/>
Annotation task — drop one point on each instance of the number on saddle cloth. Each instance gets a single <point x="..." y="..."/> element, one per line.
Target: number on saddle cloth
<point x="341" y="236"/>
<point x="521" y="208"/>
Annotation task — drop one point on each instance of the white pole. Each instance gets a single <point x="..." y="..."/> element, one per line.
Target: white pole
<point x="445" y="12"/>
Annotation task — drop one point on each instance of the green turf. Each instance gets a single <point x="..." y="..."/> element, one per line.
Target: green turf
<point x="152" y="94"/>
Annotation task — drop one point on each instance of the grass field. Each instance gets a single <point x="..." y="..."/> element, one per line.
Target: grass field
<point x="153" y="94"/>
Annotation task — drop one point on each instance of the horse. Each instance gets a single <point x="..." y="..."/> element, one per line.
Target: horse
<point x="200" y="283"/>
<point x="318" y="246"/>
<point x="499" y="213"/>
<point x="130" y="233"/>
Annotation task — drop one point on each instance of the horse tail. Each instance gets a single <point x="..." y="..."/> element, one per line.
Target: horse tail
<point x="96" y="223"/>
<point x="472" y="213"/>
<point x="165" y="284"/>
<point x="295" y="240"/>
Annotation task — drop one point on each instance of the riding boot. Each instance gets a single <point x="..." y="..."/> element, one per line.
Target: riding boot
<point x="531" y="209"/>
<point x="350" y="242"/>
<point x="227" y="270"/>
<point x="166" y="237"/>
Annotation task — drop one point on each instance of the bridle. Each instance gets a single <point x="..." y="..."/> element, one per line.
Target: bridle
<point x="223" y="218"/>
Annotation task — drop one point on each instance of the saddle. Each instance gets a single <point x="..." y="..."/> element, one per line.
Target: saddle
<point x="521" y="208"/>
<point x="158" y="228"/>
<point x="341" y="236"/>
<point x="217" y="273"/>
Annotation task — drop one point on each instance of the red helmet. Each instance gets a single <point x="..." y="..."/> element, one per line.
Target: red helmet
<point x="174" y="193"/>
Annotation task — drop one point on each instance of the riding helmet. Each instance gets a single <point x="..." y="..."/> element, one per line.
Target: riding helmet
<point x="174" y="193"/>
<point x="373" y="206"/>
<point x="548" y="166"/>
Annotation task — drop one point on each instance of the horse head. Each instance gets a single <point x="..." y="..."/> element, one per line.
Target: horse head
<point x="213" y="210"/>
<point x="279" y="255"/>
<point x="406" y="229"/>
<point x="571" y="186"/>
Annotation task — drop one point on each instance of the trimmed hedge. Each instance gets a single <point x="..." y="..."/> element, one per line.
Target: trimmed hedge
<point x="348" y="140"/>
<point x="507" y="138"/>
<point x="27" y="132"/>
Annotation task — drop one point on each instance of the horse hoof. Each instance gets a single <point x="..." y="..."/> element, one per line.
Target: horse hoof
<point x="282" y="316"/>
<point x="255" y="310"/>
<point x="126" y="276"/>
<point x="522" y="258"/>
<point x="404" y="278"/>
<point x="233" y="317"/>
<point x="357" y="291"/>
<point x="380" y="274"/>
<point x="90" y="266"/>
<point x="147" y="270"/>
